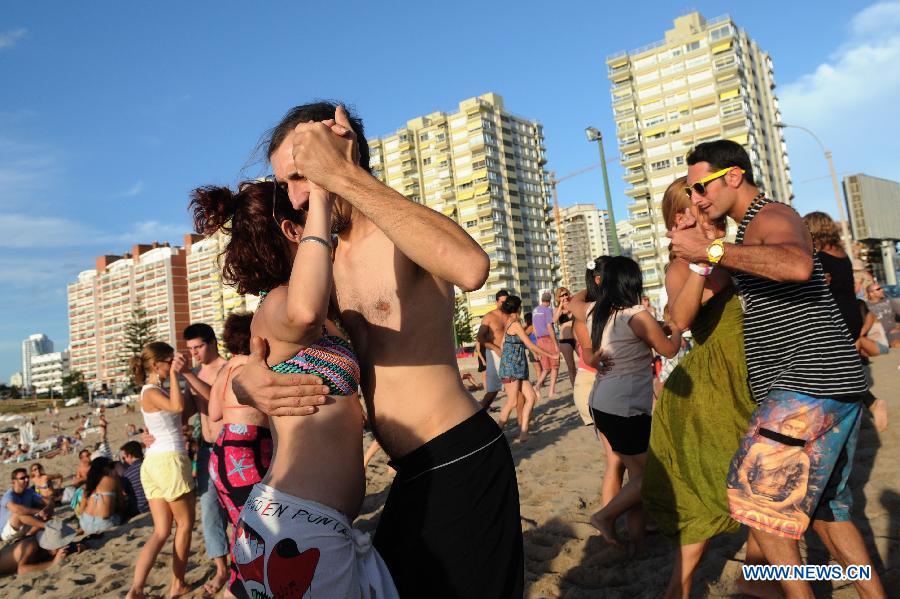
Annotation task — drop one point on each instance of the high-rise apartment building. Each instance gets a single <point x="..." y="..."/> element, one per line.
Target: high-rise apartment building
<point x="36" y="345"/>
<point x="585" y="235"/>
<point x="706" y="80"/>
<point x="211" y="300"/>
<point x="48" y="370"/>
<point x="483" y="167"/>
<point x="102" y="302"/>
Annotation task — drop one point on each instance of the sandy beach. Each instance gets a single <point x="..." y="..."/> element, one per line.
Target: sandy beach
<point x="559" y="473"/>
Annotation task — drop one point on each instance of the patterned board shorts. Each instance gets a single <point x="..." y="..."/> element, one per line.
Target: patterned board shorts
<point x="793" y="464"/>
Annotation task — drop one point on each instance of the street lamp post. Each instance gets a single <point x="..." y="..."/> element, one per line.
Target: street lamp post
<point x="593" y="134"/>
<point x="845" y="226"/>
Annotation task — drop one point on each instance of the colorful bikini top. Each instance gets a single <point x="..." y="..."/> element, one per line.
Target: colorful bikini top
<point x="331" y="358"/>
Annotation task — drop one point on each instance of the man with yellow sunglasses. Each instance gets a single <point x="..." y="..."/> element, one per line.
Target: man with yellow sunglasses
<point x="803" y="369"/>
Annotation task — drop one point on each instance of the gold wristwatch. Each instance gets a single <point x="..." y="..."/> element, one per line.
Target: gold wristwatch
<point x="715" y="251"/>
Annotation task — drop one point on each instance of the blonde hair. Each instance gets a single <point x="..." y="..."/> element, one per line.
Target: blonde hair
<point x="824" y="231"/>
<point x="674" y="201"/>
<point x="559" y="292"/>
<point x="153" y="352"/>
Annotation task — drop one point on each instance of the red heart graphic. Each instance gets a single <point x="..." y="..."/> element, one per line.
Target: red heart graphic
<point x="290" y="572"/>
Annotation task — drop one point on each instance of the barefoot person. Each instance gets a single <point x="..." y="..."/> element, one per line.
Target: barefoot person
<point x="22" y="510"/>
<point x="542" y="319"/>
<point x="33" y="554"/>
<point x="450" y="525"/>
<point x="490" y="337"/>
<point x="284" y="256"/>
<point x="703" y="409"/>
<point x="624" y="332"/>
<point x="803" y="370"/>
<point x="202" y="343"/>
<point x="166" y="469"/>
<point x="520" y="394"/>
<point x="562" y="317"/>
<point x="243" y="451"/>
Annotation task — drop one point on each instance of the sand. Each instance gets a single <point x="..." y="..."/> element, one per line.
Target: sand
<point x="559" y="472"/>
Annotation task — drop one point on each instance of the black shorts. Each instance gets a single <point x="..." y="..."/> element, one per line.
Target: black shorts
<point x="451" y="525"/>
<point x="628" y="435"/>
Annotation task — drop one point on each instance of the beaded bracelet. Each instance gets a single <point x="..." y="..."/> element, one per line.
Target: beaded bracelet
<point x="316" y="239"/>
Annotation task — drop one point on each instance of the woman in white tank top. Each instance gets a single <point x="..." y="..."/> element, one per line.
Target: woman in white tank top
<point x="166" y="470"/>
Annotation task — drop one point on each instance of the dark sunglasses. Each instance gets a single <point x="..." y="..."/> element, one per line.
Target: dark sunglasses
<point x="279" y="194"/>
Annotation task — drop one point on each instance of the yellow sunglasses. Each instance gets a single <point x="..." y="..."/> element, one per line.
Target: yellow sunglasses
<point x="700" y="186"/>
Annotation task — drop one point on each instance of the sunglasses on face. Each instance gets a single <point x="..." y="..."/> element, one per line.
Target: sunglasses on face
<point x="700" y="186"/>
<point x="279" y="194"/>
<point x="22" y="477"/>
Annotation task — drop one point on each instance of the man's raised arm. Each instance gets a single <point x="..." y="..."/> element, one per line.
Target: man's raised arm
<point x="325" y="156"/>
<point x="777" y="246"/>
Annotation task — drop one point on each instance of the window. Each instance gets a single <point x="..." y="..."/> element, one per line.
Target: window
<point x="662" y="164"/>
<point x="426" y="160"/>
<point x="692" y="46"/>
<point x="471" y="223"/>
<point x="423" y="137"/>
<point x="719" y="33"/>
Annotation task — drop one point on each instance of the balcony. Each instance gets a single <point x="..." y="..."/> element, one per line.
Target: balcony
<point x="640" y="219"/>
<point x="622" y="68"/>
<point x="637" y="191"/>
<point x="630" y="160"/>
<point x="616" y="100"/>
<point x="629" y="145"/>
<point x="635" y="175"/>
<point x="643" y="250"/>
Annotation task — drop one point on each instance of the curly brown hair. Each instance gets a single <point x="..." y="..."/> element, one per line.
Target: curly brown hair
<point x="236" y="333"/>
<point x="824" y="231"/>
<point x="258" y="256"/>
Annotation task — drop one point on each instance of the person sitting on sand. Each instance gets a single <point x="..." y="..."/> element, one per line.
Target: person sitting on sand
<point x="84" y="464"/>
<point x="43" y="483"/>
<point x="103" y="498"/>
<point x="22" y="511"/>
<point x="133" y="456"/>
<point x="33" y="554"/>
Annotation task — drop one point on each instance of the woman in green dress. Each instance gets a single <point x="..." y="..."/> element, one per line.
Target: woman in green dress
<point x="704" y="407"/>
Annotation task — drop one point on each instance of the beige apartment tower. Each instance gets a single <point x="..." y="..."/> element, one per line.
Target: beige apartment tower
<point x="585" y="235"/>
<point x="102" y="302"/>
<point x="483" y="167"/>
<point x="706" y="80"/>
<point x="211" y="300"/>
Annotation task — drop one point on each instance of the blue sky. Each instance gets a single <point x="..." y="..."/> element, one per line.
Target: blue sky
<point x="111" y="112"/>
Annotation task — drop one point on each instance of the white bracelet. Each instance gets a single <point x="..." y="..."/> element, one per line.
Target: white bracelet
<point x="703" y="271"/>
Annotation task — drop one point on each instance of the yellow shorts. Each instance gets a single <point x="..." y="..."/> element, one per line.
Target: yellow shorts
<point x="166" y="475"/>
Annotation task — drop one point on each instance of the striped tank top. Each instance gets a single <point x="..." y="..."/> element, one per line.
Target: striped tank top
<point x="794" y="335"/>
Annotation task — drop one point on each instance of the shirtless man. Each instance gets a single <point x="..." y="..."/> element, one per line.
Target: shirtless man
<point x="490" y="338"/>
<point x="450" y="525"/>
<point x="201" y="342"/>
<point x="84" y="464"/>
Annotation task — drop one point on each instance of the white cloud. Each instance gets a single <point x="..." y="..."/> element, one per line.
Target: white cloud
<point x="20" y="231"/>
<point x="849" y="101"/>
<point x="152" y="230"/>
<point x="134" y="190"/>
<point x="8" y="39"/>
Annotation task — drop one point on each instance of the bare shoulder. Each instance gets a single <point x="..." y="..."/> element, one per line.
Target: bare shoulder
<point x="676" y="275"/>
<point x="777" y="223"/>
